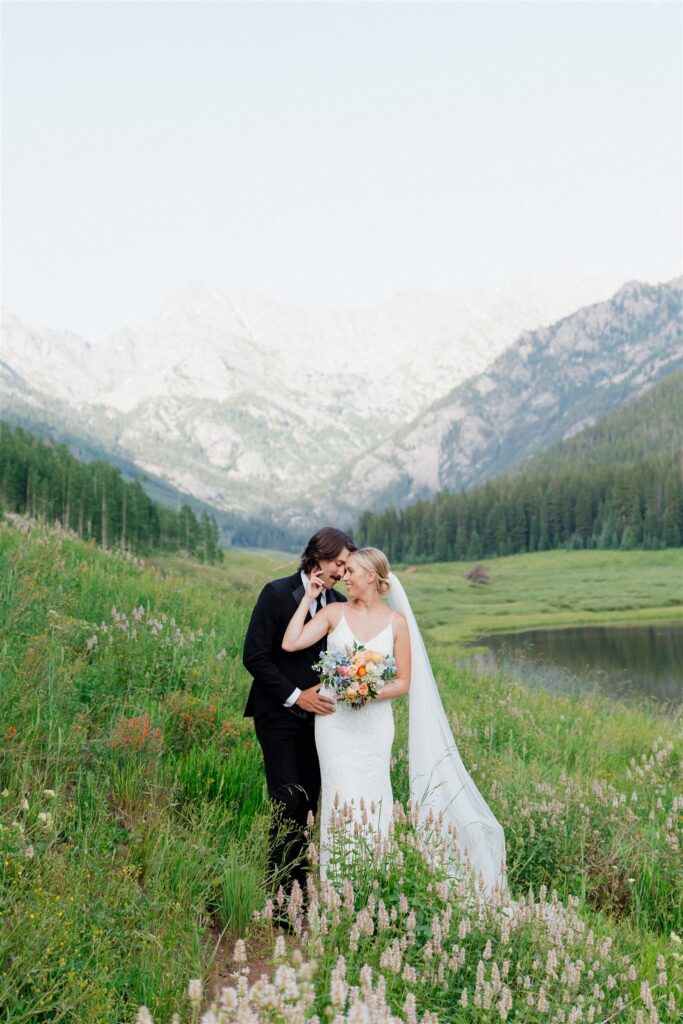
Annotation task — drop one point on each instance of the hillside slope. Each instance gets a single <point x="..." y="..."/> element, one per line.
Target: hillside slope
<point x="650" y="425"/>
<point x="546" y="387"/>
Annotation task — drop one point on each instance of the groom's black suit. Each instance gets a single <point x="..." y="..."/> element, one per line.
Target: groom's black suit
<point x="286" y="735"/>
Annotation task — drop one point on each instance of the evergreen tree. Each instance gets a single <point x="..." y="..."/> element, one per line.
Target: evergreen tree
<point x="474" y="547"/>
<point x="44" y="479"/>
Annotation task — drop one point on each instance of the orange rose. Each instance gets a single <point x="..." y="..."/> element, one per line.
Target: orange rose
<point x="362" y="671"/>
<point x="363" y="690"/>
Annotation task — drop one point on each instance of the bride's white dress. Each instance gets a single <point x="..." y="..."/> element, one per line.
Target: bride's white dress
<point x="354" y="749"/>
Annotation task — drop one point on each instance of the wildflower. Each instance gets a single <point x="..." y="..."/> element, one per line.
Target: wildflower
<point x="24" y="804"/>
<point x="409" y="974"/>
<point x="410" y="1009"/>
<point x="194" y="991"/>
<point x="136" y="733"/>
<point x="239" y="954"/>
<point x="144" y="1016"/>
<point x="49" y="792"/>
<point x="338" y="986"/>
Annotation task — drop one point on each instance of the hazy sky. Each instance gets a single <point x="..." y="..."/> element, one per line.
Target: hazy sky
<point x="331" y="153"/>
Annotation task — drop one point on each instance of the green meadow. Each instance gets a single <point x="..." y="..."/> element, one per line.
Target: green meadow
<point x="553" y="588"/>
<point x="133" y="816"/>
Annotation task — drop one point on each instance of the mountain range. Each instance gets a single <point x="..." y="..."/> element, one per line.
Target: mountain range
<point x="546" y="387"/>
<point x="253" y="406"/>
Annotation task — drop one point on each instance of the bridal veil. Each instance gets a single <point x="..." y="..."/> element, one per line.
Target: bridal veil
<point x="439" y="780"/>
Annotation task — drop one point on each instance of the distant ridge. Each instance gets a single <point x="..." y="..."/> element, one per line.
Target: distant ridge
<point x="245" y="403"/>
<point x="543" y="389"/>
<point x="616" y="484"/>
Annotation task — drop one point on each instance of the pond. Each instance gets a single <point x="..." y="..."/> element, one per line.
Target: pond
<point x="623" y="662"/>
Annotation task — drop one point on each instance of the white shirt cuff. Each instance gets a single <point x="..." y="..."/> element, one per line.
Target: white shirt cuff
<point x="293" y="698"/>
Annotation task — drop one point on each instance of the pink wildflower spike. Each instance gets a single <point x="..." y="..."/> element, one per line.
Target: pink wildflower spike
<point x="410" y="1008"/>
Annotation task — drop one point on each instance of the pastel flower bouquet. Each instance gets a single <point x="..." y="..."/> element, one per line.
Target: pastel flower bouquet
<point x="355" y="675"/>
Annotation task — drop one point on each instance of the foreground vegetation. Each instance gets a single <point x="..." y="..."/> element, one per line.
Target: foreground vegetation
<point x="134" y="819"/>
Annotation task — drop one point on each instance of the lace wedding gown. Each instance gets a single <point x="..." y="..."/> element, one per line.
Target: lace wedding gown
<point x="354" y="750"/>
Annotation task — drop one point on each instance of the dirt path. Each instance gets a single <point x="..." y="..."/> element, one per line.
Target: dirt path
<point x="259" y="959"/>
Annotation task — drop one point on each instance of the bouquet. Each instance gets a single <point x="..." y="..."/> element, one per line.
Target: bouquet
<point x="355" y="675"/>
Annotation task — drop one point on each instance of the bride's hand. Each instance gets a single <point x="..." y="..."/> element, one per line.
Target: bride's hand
<point x="315" y="585"/>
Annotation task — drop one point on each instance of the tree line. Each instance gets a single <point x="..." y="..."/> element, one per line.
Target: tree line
<point x="46" y="481"/>
<point x="637" y="505"/>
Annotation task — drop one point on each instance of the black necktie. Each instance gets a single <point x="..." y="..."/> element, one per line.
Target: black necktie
<point x="319" y="601"/>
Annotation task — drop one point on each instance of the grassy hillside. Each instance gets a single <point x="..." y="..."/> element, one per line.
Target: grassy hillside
<point x="133" y="816"/>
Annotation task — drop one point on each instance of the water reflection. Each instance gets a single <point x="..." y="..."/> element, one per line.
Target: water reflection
<point x="623" y="662"/>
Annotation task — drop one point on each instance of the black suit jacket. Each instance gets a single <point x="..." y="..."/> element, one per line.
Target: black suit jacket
<point x="276" y="672"/>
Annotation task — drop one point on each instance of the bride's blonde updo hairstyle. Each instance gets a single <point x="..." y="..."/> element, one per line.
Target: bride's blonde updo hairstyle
<point x="374" y="560"/>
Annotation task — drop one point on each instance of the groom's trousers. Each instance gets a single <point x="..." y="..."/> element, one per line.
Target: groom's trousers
<point x="293" y="780"/>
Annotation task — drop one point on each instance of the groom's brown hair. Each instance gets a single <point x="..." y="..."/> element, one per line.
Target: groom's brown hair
<point x="326" y="545"/>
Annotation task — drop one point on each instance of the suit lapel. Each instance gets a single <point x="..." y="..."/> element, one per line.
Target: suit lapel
<point x="298" y="593"/>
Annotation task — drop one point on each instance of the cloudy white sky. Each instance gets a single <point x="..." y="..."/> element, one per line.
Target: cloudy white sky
<point x="331" y="153"/>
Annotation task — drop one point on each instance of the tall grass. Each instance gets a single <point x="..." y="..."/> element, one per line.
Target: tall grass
<point x="133" y="817"/>
<point x="120" y="694"/>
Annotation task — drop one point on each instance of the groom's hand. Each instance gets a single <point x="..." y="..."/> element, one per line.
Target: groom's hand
<point x="311" y="700"/>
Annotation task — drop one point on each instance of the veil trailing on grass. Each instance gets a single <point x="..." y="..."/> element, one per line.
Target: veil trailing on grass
<point x="439" y="780"/>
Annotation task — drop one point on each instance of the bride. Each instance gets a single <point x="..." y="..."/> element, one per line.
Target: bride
<point x="354" y="745"/>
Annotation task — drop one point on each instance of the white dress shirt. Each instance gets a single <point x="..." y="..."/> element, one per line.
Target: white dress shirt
<point x="294" y="695"/>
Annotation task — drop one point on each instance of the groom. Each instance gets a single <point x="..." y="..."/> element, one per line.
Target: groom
<point x="284" y="698"/>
